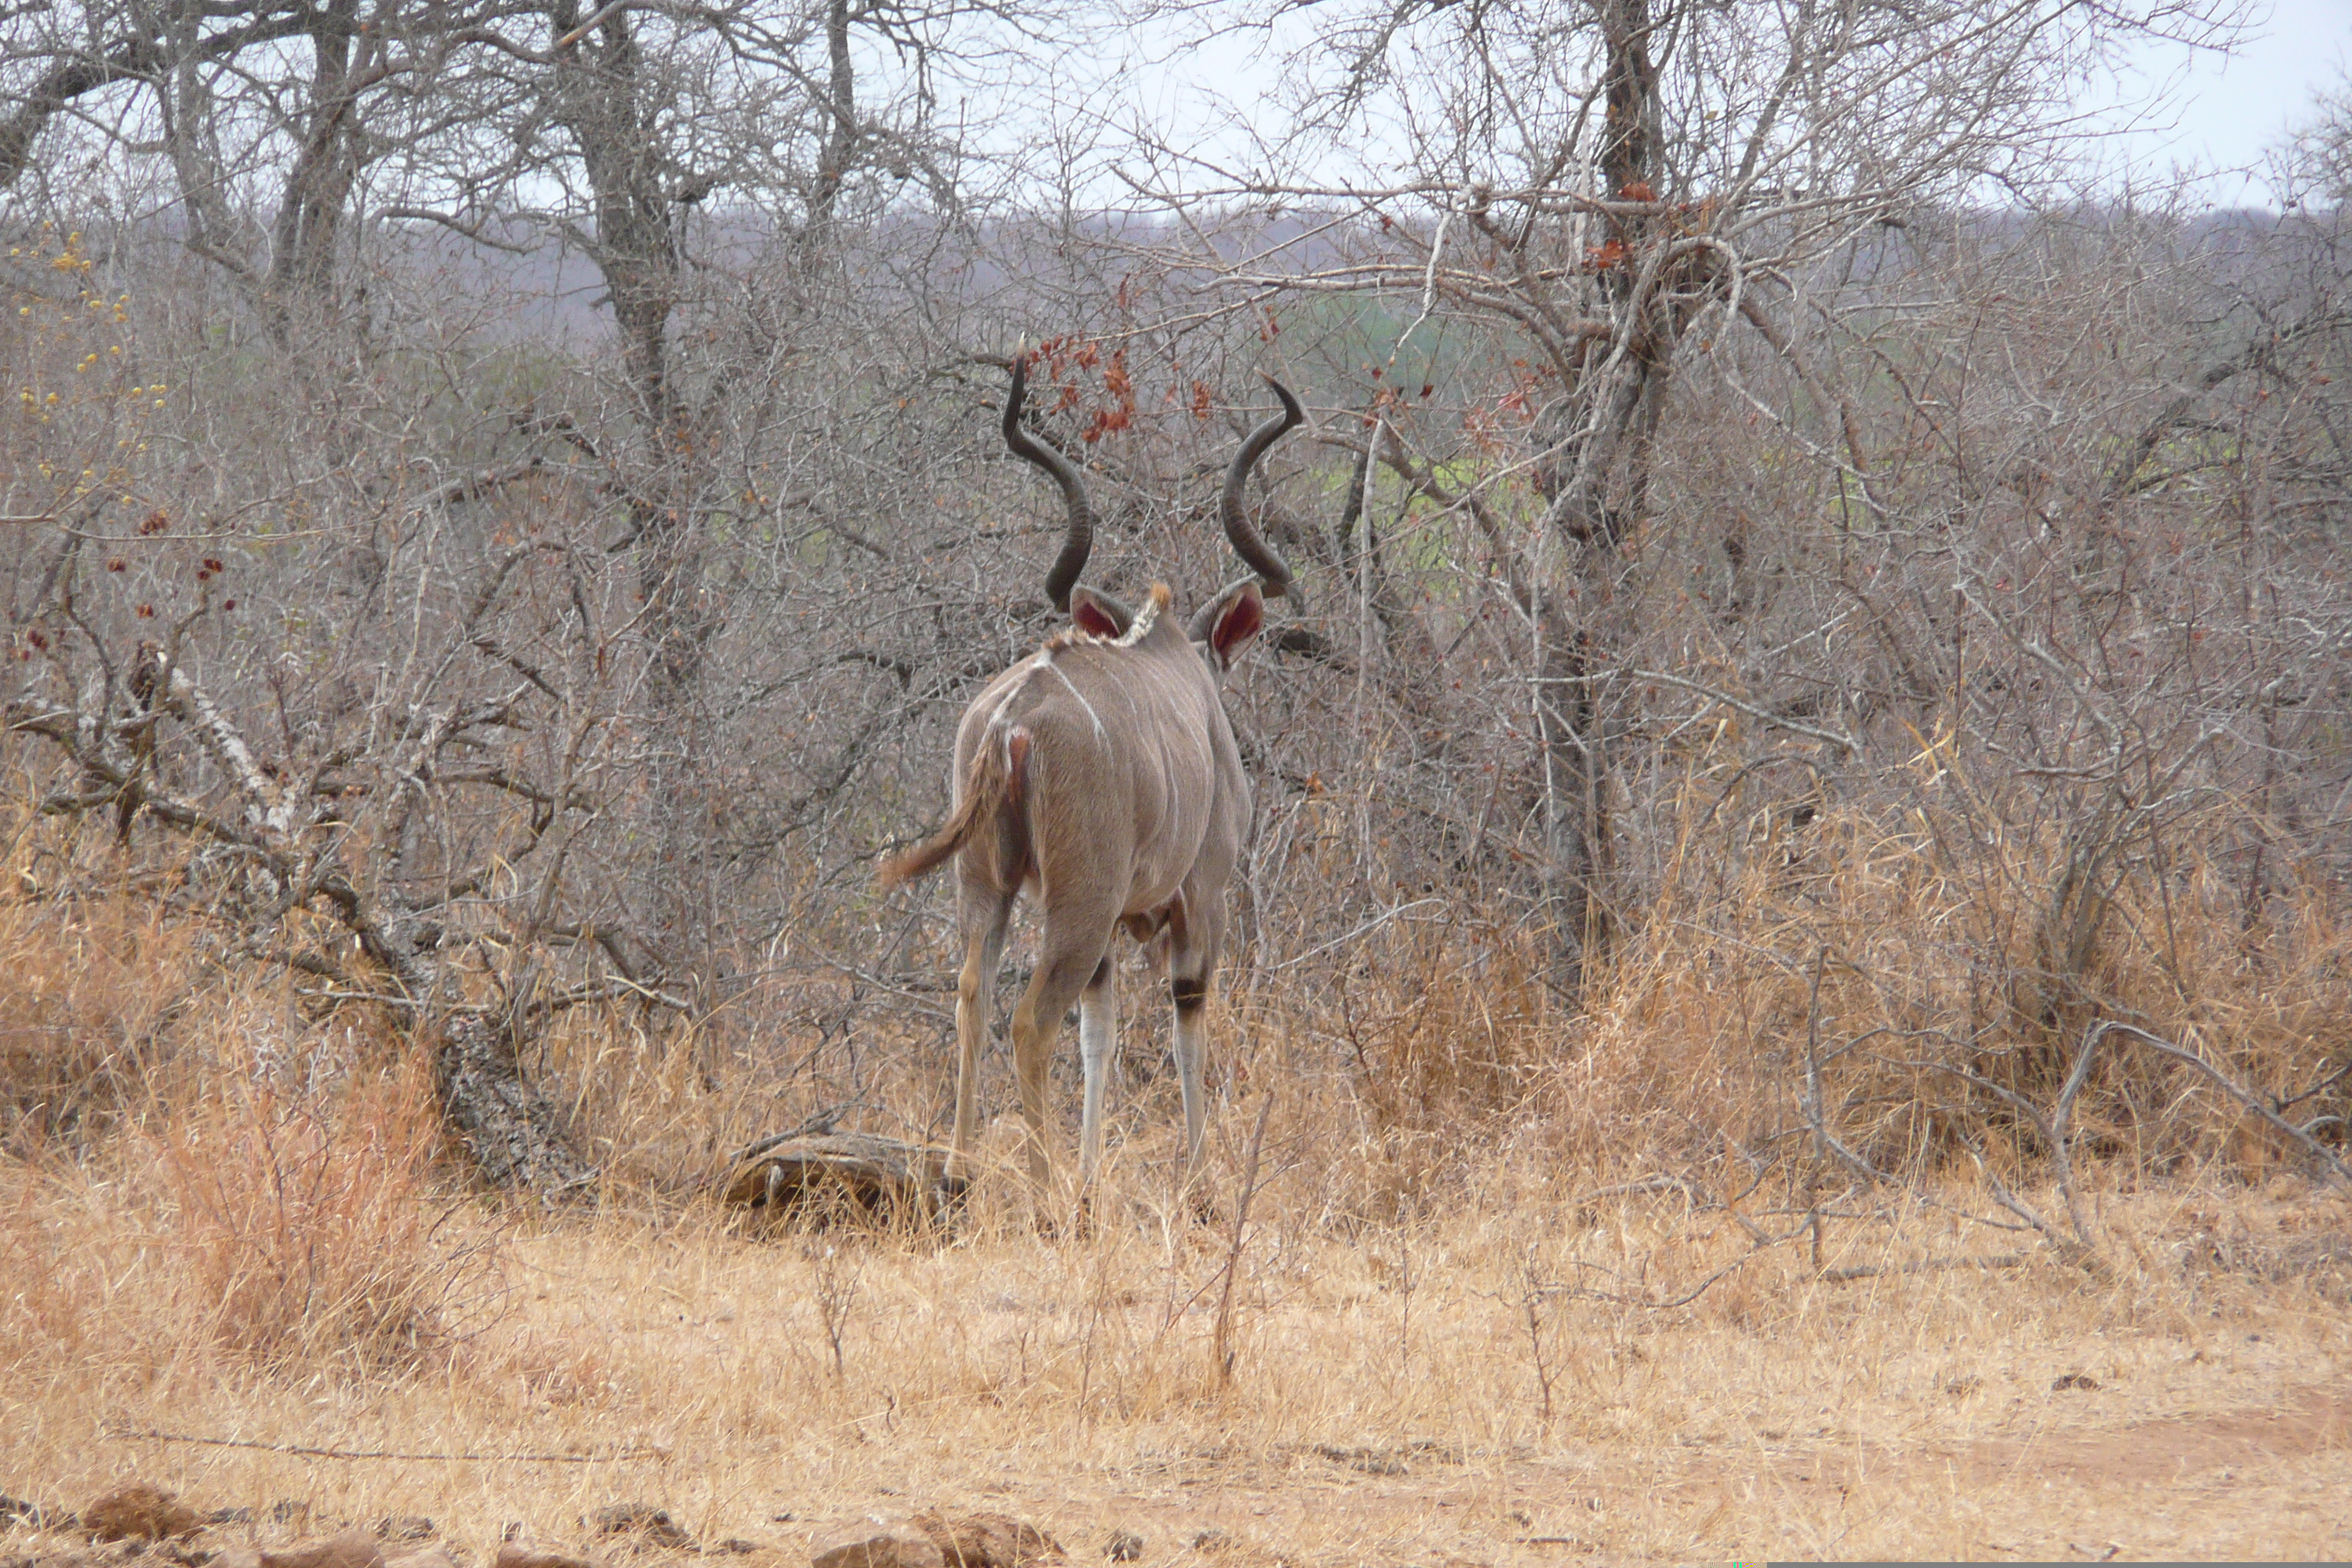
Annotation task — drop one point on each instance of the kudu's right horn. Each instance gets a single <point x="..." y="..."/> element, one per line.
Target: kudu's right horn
<point x="1081" y="536"/>
<point x="1274" y="577"/>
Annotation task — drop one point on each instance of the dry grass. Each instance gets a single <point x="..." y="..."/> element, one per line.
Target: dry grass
<point x="86" y="1018"/>
<point x="1467" y="1322"/>
<point x="1387" y="1405"/>
<point x="306" y="1230"/>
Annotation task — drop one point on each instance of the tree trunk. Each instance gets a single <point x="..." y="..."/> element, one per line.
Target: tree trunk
<point x="1598" y="503"/>
<point x="840" y="134"/>
<point x="510" y="1129"/>
<point x="302" y="263"/>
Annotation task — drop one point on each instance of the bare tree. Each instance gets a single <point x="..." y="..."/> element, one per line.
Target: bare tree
<point x="1603" y="188"/>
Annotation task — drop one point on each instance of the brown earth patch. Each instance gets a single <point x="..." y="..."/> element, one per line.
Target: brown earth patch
<point x="2170" y="1447"/>
<point x="2180" y="1485"/>
<point x="2046" y="1493"/>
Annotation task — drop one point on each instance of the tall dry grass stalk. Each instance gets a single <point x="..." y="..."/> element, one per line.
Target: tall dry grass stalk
<point x="94" y="989"/>
<point x="305" y="1228"/>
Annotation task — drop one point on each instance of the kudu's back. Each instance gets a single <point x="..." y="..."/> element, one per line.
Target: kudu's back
<point x="1113" y="768"/>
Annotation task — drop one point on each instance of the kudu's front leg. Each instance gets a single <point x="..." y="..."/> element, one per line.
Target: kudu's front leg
<point x="1098" y="1049"/>
<point x="1194" y="939"/>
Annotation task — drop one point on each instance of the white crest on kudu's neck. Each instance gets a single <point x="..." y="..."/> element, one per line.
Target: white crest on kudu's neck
<point x="1144" y="617"/>
<point x="1000" y="720"/>
<point x="1078" y="636"/>
<point x="1042" y="661"/>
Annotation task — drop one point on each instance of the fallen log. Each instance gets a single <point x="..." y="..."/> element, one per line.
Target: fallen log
<point x="826" y="1176"/>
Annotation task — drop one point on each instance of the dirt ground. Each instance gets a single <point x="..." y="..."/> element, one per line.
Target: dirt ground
<point x="1392" y="1401"/>
<point x="2251" y="1483"/>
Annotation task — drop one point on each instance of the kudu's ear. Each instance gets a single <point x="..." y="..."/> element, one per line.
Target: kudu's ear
<point x="1228" y="621"/>
<point x="1099" y="614"/>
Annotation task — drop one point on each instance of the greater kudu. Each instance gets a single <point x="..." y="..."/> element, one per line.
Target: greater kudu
<point x="1099" y="775"/>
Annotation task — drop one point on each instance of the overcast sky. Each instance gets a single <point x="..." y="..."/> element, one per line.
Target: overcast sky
<point x="2200" y="109"/>
<point x="2230" y="109"/>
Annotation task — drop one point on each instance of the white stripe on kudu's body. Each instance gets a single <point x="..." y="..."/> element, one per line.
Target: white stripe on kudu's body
<point x="1112" y="795"/>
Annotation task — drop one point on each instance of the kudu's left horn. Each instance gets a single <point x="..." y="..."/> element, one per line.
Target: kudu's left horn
<point x="1081" y="536"/>
<point x="1274" y="577"/>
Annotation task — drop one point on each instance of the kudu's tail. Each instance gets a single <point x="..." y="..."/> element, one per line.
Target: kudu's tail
<point x="993" y="783"/>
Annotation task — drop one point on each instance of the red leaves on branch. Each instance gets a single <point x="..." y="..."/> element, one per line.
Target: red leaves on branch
<point x="1062" y="358"/>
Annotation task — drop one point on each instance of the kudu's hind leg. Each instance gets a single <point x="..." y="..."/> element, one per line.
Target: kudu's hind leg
<point x="1065" y="965"/>
<point x="1190" y="994"/>
<point x="982" y="912"/>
